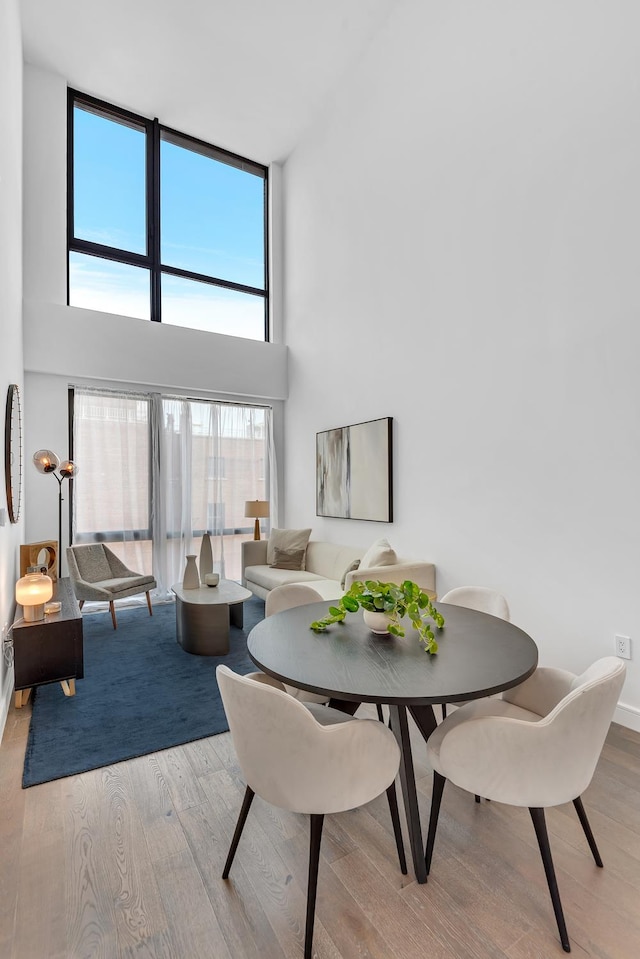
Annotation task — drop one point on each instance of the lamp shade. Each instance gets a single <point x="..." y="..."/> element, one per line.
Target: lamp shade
<point x="68" y="469"/>
<point x="45" y="461"/>
<point x="32" y="592"/>
<point x="258" y="508"/>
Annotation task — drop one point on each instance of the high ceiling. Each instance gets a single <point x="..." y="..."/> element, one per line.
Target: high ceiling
<point x="247" y="75"/>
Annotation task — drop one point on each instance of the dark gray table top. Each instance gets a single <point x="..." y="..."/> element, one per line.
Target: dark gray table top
<point x="478" y="655"/>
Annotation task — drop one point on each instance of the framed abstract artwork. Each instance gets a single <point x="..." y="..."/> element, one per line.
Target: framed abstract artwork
<point x="354" y="471"/>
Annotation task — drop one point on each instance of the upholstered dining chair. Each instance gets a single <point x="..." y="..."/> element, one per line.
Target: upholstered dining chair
<point x="287" y="597"/>
<point x="483" y="599"/>
<point x="537" y="746"/>
<point x="97" y="574"/>
<point x="299" y="594"/>
<point x="306" y="758"/>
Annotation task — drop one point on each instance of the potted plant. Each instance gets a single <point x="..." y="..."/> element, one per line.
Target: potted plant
<point x="388" y="604"/>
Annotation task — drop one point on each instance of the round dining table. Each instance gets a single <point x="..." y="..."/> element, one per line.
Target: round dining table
<point x="478" y="655"/>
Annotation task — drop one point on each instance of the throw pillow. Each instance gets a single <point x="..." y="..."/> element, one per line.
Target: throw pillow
<point x="286" y="539"/>
<point x="349" y="569"/>
<point x="288" y="558"/>
<point x="379" y="553"/>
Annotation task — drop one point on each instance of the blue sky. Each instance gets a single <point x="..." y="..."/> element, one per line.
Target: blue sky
<point x="211" y="223"/>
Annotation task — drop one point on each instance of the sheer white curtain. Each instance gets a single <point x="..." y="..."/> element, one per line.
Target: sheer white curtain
<point x="112" y="490"/>
<point x="177" y="468"/>
<point x="171" y="435"/>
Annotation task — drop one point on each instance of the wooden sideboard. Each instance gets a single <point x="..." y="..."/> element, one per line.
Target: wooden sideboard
<point x="50" y="650"/>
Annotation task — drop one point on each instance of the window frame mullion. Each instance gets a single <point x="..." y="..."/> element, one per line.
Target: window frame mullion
<point x="153" y="214"/>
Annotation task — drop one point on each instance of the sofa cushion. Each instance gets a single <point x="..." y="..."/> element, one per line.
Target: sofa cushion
<point x="268" y="577"/>
<point x="330" y="560"/>
<point x="379" y="553"/>
<point x="286" y="539"/>
<point x="287" y="558"/>
<point x="124" y="583"/>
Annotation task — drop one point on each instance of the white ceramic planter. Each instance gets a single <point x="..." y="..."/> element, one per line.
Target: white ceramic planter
<point x="377" y="622"/>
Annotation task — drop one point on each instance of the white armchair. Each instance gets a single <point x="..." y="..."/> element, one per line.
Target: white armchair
<point x="537" y="746"/>
<point x="308" y="759"/>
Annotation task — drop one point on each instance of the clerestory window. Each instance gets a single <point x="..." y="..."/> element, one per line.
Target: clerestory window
<point x="162" y="226"/>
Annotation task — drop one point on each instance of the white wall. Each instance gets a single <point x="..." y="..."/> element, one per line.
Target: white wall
<point x="65" y="345"/>
<point x="461" y="250"/>
<point x="10" y="293"/>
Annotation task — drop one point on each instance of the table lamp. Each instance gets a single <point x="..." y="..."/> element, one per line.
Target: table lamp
<point x="258" y="508"/>
<point x="32" y="591"/>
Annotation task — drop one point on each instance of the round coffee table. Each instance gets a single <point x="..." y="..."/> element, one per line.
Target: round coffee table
<point x="203" y="616"/>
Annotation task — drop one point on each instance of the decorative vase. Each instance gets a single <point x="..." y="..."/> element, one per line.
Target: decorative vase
<point x="191" y="579"/>
<point x="206" y="557"/>
<point x="377" y="622"/>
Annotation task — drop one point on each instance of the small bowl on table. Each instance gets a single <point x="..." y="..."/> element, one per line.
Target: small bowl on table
<point x="212" y="579"/>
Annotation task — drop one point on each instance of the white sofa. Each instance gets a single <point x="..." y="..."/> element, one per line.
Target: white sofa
<point x="325" y="566"/>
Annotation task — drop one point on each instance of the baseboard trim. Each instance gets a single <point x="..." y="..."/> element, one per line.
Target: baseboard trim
<point x="5" y="701"/>
<point x="628" y="716"/>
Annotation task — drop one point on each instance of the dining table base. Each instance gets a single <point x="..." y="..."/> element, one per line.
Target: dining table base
<point x="425" y="719"/>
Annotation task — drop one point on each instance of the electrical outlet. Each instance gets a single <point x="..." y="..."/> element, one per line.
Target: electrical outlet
<point x="623" y="647"/>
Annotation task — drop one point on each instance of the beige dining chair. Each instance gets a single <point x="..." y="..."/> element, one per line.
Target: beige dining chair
<point x="298" y="594"/>
<point x="306" y="758"/>
<point x="537" y="746"/>
<point x="288" y="597"/>
<point x="96" y="573"/>
<point x="483" y="599"/>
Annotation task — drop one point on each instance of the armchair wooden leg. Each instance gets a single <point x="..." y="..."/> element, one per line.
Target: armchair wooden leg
<point x="113" y="613"/>
<point x="149" y="603"/>
<point x="540" y="826"/>
<point x="584" y="822"/>
<point x="317" y="821"/>
<point x="242" y="818"/>
<point x="436" y="799"/>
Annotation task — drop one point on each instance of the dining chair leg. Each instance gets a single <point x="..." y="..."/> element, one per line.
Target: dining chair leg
<point x="444" y="710"/>
<point x="540" y="826"/>
<point x="113" y="613"/>
<point x="584" y="822"/>
<point x="380" y="713"/>
<point x="317" y="821"/>
<point x="242" y="818"/>
<point x="392" y="796"/>
<point x="436" y="799"/>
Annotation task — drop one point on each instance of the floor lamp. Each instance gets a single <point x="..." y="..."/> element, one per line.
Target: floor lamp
<point x="46" y="461"/>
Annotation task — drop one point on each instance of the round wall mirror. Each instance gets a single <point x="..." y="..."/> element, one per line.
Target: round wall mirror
<point x="13" y="452"/>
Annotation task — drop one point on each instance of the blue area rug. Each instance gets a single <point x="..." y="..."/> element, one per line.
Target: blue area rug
<point x="141" y="692"/>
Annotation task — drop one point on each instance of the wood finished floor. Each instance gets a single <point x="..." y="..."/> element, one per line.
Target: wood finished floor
<point x="125" y="861"/>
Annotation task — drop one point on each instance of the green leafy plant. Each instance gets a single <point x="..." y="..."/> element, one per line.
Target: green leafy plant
<point x="395" y="602"/>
